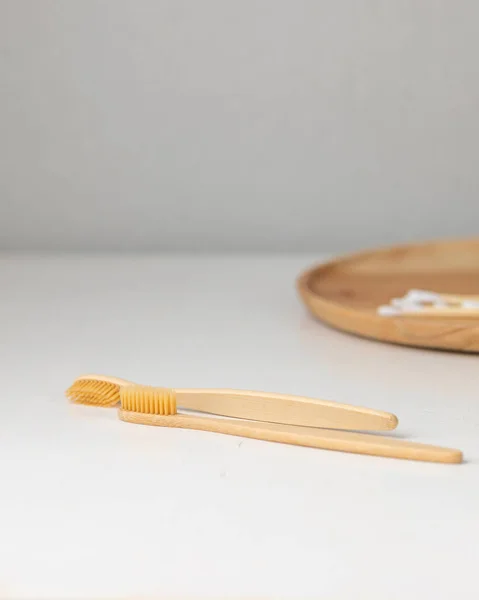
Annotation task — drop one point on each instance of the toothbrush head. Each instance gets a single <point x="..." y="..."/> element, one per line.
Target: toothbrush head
<point x="96" y="390"/>
<point x="149" y="400"/>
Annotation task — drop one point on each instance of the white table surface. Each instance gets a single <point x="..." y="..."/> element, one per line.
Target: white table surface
<point x="96" y="508"/>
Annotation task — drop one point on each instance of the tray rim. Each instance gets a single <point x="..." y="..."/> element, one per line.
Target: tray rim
<point x="445" y="334"/>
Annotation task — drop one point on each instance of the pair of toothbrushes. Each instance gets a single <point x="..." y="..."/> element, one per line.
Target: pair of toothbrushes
<point x="273" y="417"/>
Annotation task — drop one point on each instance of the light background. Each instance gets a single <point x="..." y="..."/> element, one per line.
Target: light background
<point x="260" y="125"/>
<point x="216" y="126"/>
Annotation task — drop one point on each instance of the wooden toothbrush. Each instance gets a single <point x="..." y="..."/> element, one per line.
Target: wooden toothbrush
<point x="101" y="390"/>
<point x="156" y="406"/>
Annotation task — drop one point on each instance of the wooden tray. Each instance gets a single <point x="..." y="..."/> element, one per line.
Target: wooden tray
<point x="346" y="292"/>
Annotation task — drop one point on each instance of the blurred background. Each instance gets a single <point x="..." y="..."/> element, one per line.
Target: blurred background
<point x="216" y="126"/>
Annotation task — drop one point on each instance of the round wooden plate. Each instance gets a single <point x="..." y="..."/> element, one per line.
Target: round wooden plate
<point x="346" y="292"/>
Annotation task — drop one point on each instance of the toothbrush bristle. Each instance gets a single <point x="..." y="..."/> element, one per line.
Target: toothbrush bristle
<point x="149" y="400"/>
<point x="94" y="392"/>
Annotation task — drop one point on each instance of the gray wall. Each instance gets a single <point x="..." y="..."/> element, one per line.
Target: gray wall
<point x="237" y="125"/>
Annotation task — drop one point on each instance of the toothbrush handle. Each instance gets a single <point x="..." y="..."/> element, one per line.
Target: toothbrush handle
<point x="345" y="441"/>
<point x="281" y="408"/>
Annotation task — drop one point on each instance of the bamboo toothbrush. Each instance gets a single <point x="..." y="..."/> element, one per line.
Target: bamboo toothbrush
<point x="101" y="390"/>
<point x="156" y="406"/>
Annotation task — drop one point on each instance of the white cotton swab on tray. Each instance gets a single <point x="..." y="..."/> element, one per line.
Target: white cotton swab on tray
<point x="424" y="303"/>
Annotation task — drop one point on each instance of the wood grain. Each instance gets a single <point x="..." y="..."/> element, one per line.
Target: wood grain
<point x="346" y="292"/>
<point x="283" y="408"/>
<point x="344" y="441"/>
